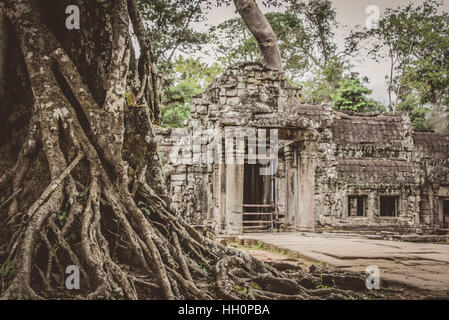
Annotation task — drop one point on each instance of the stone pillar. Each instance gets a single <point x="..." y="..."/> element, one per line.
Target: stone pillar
<point x="234" y="197"/>
<point x="428" y="216"/>
<point x="443" y="195"/>
<point x="306" y="192"/>
<point x="371" y="207"/>
<point x="221" y="192"/>
<point x="290" y="200"/>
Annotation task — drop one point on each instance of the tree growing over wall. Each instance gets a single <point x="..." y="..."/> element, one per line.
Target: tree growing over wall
<point x="83" y="187"/>
<point x="310" y="55"/>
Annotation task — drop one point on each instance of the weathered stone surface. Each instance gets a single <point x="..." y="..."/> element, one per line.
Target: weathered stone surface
<point x="324" y="156"/>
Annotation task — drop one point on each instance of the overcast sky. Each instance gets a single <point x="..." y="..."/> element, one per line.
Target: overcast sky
<point x="349" y="13"/>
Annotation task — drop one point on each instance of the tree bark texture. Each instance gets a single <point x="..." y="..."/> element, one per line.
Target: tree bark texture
<point x="262" y="31"/>
<point x="80" y="177"/>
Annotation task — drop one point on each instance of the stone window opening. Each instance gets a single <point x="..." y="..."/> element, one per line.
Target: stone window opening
<point x="389" y="206"/>
<point x="446" y="213"/>
<point x="357" y="206"/>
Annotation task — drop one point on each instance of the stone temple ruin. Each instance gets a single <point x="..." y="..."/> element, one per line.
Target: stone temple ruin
<point x="314" y="169"/>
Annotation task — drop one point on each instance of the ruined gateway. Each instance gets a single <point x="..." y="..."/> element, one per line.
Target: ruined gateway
<point x="334" y="170"/>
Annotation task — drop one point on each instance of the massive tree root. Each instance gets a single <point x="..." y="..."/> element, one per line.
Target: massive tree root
<point x="84" y="189"/>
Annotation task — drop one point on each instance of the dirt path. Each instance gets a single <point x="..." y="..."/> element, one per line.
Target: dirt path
<point x="420" y="270"/>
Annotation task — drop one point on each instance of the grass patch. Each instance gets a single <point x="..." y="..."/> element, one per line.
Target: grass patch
<point x="259" y="246"/>
<point x="303" y="262"/>
<point x="255" y="286"/>
<point x="241" y="291"/>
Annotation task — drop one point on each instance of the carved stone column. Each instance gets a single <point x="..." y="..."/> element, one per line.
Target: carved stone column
<point x="290" y="200"/>
<point x="220" y="176"/>
<point x="306" y="187"/>
<point x="234" y="173"/>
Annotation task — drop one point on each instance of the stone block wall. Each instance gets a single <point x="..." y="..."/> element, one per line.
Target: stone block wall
<point x="338" y="154"/>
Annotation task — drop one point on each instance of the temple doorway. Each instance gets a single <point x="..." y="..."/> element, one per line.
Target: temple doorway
<point x="260" y="212"/>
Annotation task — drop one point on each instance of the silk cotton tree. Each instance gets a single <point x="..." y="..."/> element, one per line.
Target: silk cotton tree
<point x="80" y="177"/>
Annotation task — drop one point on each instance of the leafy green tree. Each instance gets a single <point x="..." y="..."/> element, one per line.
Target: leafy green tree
<point x="352" y="95"/>
<point x="429" y="78"/>
<point x="233" y="42"/>
<point x="306" y="40"/>
<point x="177" y="19"/>
<point x="324" y="82"/>
<point x="187" y="78"/>
<point x="419" y="114"/>
<point x="175" y="115"/>
<point x="415" y="41"/>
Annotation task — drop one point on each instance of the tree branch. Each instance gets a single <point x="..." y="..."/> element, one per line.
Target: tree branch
<point x="261" y="29"/>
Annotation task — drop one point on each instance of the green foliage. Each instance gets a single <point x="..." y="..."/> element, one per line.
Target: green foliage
<point x="321" y="87"/>
<point x="352" y="95"/>
<point x="8" y="270"/>
<point x="430" y="78"/>
<point x="188" y="77"/>
<point x="419" y="119"/>
<point x="255" y="286"/>
<point x="202" y="266"/>
<point x="146" y="208"/>
<point x="128" y="98"/>
<point x="240" y="290"/>
<point x="260" y="245"/>
<point x="174" y="116"/>
<point x="313" y="32"/>
<point x="82" y="197"/>
<point x="234" y="43"/>
<point x="62" y="216"/>
<point x="417" y="112"/>
<point x="415" y="39"/>
<point x="322" y="285"/>
<point x="176" y="18"/>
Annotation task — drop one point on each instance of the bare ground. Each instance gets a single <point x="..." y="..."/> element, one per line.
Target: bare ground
<point x="288" y="259"/>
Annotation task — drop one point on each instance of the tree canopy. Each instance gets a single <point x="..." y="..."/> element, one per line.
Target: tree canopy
<point x="351" y="95"/>
<point x="414" y="39"/>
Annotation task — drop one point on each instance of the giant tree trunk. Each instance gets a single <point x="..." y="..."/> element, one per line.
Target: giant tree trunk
<point x="262" y="31"/>
<point x="80" y="176"/>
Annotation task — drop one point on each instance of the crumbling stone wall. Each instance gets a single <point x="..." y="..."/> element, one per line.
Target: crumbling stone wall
<point x="246" y="95"/>
<point x="345" y="153"/>
<point x="190" y="186"/>
<point x="371" y="156"/>
<point x="432" y="154"/>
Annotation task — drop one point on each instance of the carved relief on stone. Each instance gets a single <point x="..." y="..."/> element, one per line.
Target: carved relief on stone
<point x="317" y="204"/>
<point x="190" y="201"/>
<point x="327" y="206"/>
<point x="338" y="212"/>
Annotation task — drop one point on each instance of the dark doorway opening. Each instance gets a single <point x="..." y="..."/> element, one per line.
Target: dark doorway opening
<point x="256" y="187"/>
<point x="259" y="200"/>
<point x="389" y="206"/>
<point x="446" y="213"/>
